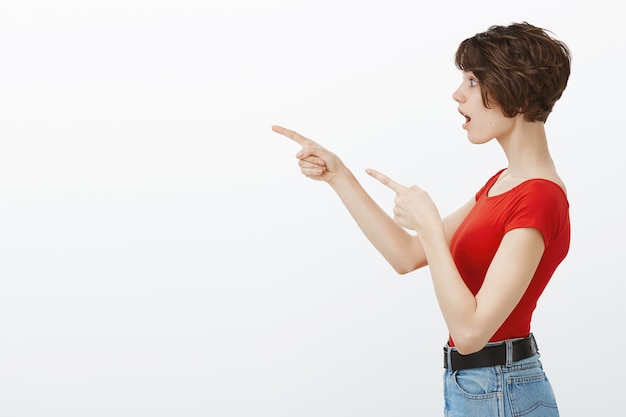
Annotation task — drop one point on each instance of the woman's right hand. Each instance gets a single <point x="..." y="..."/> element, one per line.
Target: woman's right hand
<point x="315" y="161"/>
<point x="403" y="251"/>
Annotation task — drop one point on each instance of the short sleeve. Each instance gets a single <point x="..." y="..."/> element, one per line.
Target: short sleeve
<point x="541" y="205"/>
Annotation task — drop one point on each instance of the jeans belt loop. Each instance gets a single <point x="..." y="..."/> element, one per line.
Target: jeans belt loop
<point x="509" y="352"/>
<point x="449" y="357"/>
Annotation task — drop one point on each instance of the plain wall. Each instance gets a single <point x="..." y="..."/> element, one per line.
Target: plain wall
<point x="161" y="254"/>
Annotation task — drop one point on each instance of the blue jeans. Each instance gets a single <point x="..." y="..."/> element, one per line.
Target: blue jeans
<point x="517" y="389"/>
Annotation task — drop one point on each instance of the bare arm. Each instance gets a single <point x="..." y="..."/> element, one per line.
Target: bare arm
<point x="471" y="320"/>
<point x="402" y="250"/>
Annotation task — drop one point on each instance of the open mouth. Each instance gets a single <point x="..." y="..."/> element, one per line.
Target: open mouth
<point x="467" y="119"/>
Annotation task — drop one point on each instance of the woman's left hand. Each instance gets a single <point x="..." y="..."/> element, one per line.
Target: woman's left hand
<point x="414" y="209"/>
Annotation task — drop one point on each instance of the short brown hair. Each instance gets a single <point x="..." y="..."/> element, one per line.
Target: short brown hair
<point x="519" y="67"/>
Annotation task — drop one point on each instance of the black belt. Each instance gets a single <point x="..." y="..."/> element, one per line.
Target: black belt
<point x="490" y="355"/>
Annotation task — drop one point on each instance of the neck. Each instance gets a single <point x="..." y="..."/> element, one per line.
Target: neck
<point x="526" y="149"/>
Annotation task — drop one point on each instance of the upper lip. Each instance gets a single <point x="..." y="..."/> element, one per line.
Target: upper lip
<point x="467" y="118"/>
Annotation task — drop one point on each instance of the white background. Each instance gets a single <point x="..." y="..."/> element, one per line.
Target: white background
<point x="161" y="255"/>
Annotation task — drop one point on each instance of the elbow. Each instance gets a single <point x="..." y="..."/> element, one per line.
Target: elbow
<point x="467" y="349"/>
<point x="403" y="268"/>
<point x="402" y="271"/>
<point x="468" y="343"/>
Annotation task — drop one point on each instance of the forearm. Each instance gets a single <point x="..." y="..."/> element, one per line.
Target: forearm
<point x="472" y="320"/>
<point x="456" y="302"/>
<point x="402" y="250"/>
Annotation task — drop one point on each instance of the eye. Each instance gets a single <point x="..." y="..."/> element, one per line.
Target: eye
<point x="473" y="82"/>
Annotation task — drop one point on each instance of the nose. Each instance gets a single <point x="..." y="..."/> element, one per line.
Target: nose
<point x="457" y="96"/>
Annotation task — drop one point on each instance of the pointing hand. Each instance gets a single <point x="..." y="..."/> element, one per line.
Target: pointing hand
<point x="414" y="209"/>
<point x="315" y="161"/>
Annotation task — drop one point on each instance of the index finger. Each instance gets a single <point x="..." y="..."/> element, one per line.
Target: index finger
<point x="397" y="187"/>
<point x="293" y="135"/>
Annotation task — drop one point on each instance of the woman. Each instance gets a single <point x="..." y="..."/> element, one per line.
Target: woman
<point x="492" y="258"/>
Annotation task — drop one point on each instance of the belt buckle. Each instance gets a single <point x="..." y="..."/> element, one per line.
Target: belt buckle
<point x="447" y="357"/>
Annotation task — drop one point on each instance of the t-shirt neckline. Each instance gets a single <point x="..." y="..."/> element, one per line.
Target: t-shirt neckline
<point x="529" y="180"/>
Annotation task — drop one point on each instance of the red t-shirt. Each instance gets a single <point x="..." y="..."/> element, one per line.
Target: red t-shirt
<point x="536" y="203"/>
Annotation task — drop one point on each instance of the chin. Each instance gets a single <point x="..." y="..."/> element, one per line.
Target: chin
<point x="478" y="140"/>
